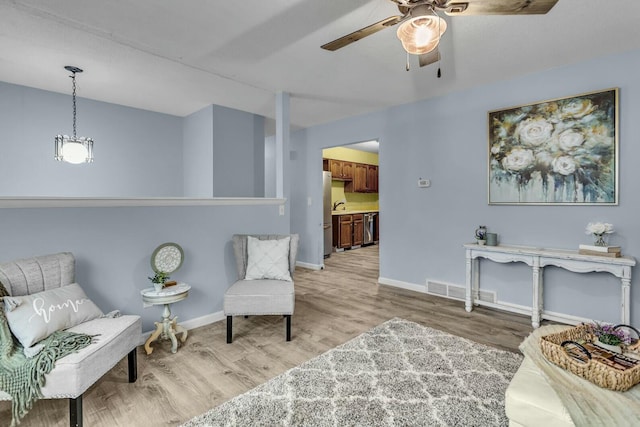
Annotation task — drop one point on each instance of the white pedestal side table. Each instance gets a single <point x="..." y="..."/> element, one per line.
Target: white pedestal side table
<point x="168" y="327"/>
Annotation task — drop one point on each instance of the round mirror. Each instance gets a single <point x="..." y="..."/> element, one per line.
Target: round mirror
<point x="167" y="258"/>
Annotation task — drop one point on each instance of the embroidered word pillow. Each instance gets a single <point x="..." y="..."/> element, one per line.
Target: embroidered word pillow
<point x="268" y="259"/>
<point x="34" y="317"/>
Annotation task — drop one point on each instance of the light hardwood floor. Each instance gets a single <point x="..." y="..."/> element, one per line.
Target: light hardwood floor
<point x="332" y="306"/>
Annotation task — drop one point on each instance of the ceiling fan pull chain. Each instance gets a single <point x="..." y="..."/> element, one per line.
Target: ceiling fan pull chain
<point x="407" y="61"/>
<point x="439" y="73"/>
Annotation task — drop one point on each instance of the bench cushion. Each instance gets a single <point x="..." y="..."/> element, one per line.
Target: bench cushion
<point x="75" y="373"/>
<point x="259" y="297"/>
<point x="531" y="401"/>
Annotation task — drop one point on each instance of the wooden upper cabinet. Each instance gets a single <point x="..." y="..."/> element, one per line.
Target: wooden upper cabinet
<point x="372" y="178"/>
<point x="365" y="179"/>
<point x="358" y="177"/>
<point x="347" y="170"/>
<point x="340" y="170"/>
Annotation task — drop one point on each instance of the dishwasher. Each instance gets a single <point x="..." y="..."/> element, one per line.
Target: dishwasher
<point x="368" y="228"/>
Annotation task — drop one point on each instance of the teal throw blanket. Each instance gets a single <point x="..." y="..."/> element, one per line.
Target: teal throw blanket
<point x="22" y="377"/>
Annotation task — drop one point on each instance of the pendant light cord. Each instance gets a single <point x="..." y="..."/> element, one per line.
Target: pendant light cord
<point x="73" y="78"/>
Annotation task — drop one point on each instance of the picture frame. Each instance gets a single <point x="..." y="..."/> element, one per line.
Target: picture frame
<point x="562" y="151"/>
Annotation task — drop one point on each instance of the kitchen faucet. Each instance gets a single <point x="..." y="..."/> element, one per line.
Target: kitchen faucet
<point x="336" y="204"/>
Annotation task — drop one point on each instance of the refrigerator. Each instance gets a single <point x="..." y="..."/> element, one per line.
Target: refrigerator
<point x="327" y="227"/>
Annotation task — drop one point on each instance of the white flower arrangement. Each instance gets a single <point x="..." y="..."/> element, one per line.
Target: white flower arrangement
<point x="599" y="228"/>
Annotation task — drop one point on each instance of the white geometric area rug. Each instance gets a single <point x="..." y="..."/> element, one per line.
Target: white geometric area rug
<point x="397" y="374"/>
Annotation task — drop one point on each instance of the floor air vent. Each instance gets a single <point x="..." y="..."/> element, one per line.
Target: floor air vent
<point x="448" y="290"/>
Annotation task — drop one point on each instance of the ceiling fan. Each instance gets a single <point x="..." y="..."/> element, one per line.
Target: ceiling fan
<point x="421" y="27"/>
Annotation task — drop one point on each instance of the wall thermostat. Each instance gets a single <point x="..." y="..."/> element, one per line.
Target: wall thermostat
<point x="424" y="183"/>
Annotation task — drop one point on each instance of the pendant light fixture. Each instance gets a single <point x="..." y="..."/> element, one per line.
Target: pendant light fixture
<point x="72" y="149"/>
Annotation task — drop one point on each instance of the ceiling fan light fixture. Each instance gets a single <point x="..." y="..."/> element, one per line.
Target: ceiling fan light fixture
<point x="421" y="34"/>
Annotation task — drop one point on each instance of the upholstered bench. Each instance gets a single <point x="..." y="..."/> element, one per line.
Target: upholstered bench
<point x="531" y="401"/>
<point x="113" y="337"/>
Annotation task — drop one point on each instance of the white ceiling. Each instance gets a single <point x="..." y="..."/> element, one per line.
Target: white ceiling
<point x="177" y="57"/>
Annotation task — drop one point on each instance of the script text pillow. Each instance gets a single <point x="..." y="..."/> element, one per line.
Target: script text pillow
<point x="268" y="259"/>
<point x="36" y="316"/>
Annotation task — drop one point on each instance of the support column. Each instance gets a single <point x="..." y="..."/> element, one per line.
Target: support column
<point x="282" y="144"/>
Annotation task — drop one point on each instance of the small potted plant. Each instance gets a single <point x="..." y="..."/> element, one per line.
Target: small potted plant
<point x="610" y="337"/>
<point x="158" y="280"/>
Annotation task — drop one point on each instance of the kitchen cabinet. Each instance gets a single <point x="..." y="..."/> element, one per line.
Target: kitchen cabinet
<point x="365" y="179"/>
<point x="358" y="229"/>
<point x="341" y="170"/>
<point x="348" y="230"/>
<point x="372" y="178"/>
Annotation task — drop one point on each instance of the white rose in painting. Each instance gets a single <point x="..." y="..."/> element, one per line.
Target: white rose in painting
<point x="564" y="165"/>
<point x="577" y="108"/>
<point x="570" y="139"/>
<point x="518" y="159"/>
<point x="534" y="132"/>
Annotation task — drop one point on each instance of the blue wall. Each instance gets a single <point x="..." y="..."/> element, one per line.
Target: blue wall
<point x="113" y="247"/>
<point x="133" y="148"/>
<point x="445" y="140"/>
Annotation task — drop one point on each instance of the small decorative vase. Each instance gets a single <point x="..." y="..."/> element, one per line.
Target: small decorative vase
<point x="611" y="348"/>
<point x="599" y="240"/>
<point x="481" y="242"/>
<point x="158" y="286"/>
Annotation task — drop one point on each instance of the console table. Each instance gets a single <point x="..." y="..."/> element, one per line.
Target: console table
<point x="537" y="259"/>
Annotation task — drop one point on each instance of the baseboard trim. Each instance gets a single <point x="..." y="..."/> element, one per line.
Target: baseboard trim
<point x="207" y="319"/>
<point x="309" y="265"/>
<point x="564" y="318"/>
<point x="403" y="285"/>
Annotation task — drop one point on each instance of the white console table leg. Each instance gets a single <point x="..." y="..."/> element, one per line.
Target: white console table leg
<point x="626" y="293"/>
<point x="468" y="303"/>
<point x="536" y="306"/>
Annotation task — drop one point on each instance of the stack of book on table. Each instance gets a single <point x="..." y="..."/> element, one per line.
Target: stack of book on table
<point x="608" y="251"/>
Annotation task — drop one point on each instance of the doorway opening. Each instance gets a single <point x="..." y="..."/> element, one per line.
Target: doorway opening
<point x="351" y="211"/>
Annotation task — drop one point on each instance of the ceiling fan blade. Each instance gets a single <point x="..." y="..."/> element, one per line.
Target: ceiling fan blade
<point x="499" y="7"/>
<point x="429" y="58"/>
<point x="362" y="33"/>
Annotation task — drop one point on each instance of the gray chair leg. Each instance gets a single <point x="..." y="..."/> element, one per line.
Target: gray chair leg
<point x="75" y="412"/>
<point x="133" y="365"/>
<point x="229" y="329"/>
<point x="288" y="317"/>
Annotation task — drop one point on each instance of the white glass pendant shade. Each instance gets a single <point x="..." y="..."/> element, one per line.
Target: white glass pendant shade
<point x="74" y="150"/>
<point x="421" y="34"/>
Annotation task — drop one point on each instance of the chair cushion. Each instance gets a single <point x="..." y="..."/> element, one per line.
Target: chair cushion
<point x="268" y="259"/>
<point x="34" y="317"/>
<point x="75" y="373"/>
<point x="259" y="297"/>
<point x="531" y="401"/>
<point x="240" y="250"/>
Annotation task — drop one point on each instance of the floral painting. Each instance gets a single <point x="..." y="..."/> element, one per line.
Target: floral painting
<point x="562" y="151"/>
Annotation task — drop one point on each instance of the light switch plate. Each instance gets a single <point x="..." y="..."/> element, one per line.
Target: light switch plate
<point x="281" y="210"/>
<point x="424" y="183"/>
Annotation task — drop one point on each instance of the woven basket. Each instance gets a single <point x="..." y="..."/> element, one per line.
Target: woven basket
<point x="593" y="370"/>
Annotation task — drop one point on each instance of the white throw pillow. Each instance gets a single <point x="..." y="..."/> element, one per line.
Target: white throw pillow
<point x="34" y="317"/>
<point x="268" y="259"/>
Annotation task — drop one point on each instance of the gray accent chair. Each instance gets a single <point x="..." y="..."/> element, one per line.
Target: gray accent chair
<point x="115" y="337"/>
<point x="260" y="297"/>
